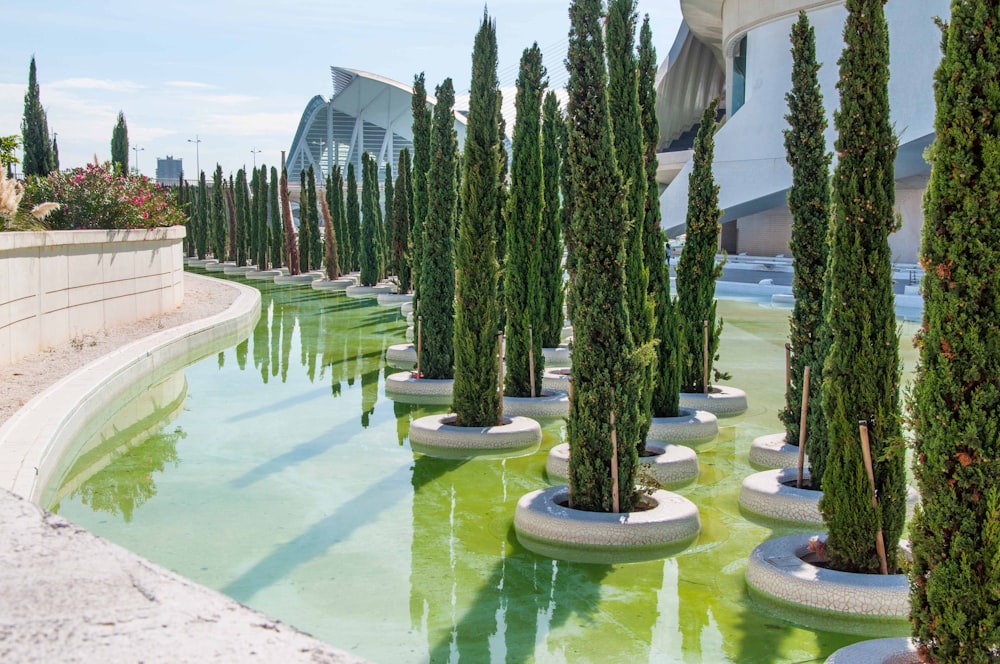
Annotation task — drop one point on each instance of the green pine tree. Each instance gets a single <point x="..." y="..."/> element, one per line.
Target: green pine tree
<point x="277" y="249"/>
<point x="388" y="220"/>
<point x="421" y="164"/>
<point x="551" y="269"/>
<point x="262" y="259"/>
<point x="315" y="246"/>
<point x="956" y="398"/>
<point x="217" y="226"/>
<point x="401" y="211"/>
<point x="339" y="224"/>
<point x="242" y="209"/>
<point x="35" y="129"/>
<point x="861" y="376"/>
<point x="369" y="224"/>
<point x="204" y="220"/>
<point x="332" y="255"/>
<point x="54" y="161"/>
<point x="252" y="231"/>
<point x="522" y="269"/>
<point x="119" y="145"/>
<point x="353" y="219"/>
<point x="305" y="225"/>
<point x="477" y="310"/>
<point x="606" y="366"/>
<point x="696" y="269"/>
<point x="437" y="271"/>
<point x="290" y="245"/>
<point x="809" y="202"/>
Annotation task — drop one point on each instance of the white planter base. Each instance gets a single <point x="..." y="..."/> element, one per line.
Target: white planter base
<point x="556" y="378"/>
<point x="438" y="436"/>
<point x="403" y="387"/>
<point x="779" y="579"/>
<point x="368" y="291"/>
<point x="331" y="284"/>
<point x="673" y="466"/>
<point x="263" y="275"/>
<point x="557" y="357"/>
<point x="295" y="279"/>
<point x="392" y="299"/>
<point x="544" y="525"/>
<point x="721" y="401"/>
<point x="771" y="451"/>
<point x="401" y="356"/>
<point x="899" y="650"/>
<point x="218" y="266"/>
<point x="548" y="404"/>
<point x="692" y="427"/>
<point x="200" y="262"/>
<point x="406" y="309"/>
<point x="240" y="270"/>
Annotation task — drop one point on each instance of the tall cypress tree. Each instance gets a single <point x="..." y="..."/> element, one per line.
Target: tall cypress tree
<point x="274" y="217"/>
<point x="501" y="214"/>
<point x="217" y="227"/>
<point x="353" y="219"/>
<point x="202" y="237"/>
<point x="861" y="377"/>
<point x="421" y="164"/>
<point x="305" y="227"/>
<point x="956" y="397"/>
<point x="437" y="271"/>
<point x="369" y="225"/>
<point x="262" y="259"/>
<point x="401" y="211"/>
<point x="291" y="247"/>
<point x="242" y="217"/>
<point x="119" y="145"/>
<point x="329" y="234"/>
<point x="477" y="310"/>
<point x="315" y="246"/>
<point x="550" y="280"/>
<point x="605" y="365"/>
<point x="35" y="129"/>
<point x="388" y="219"/>
<point x="696" y="269"/>
<point x="54" y="161"/>
<point x="809" y="202"/>
<point x="339" y="223"/>
<point x="522" y="270"/>
<point x="381" y="250"/>
<point x="252" y="233"/>
<point x="234" y="234"/>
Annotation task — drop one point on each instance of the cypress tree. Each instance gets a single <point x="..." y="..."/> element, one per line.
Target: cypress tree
<point x="119" y="145"/>
<point x="501" y="214"/>
<point x="353" y="219"/>
<point x="388" y="220"/>
<point x="316" y="250"/>
<point x="696" y="269"/>
<point x="566" y="190"/>
<point x="274" y="217"/>
<point x="202" y="238"/>
<point x="381" y="249"/>
<point x="217" y="228"/>
<point x="291" y="247"/>
<point x="329" y="236"/>
<point x="667" y="381"/>
<point x="234" y="235"/>
<point x="861" y="376"/>
<point x="522" y="273"/>
<point x="401" y="210"/>
<point x="956" y="397"/>
<point x="252" y="233"/>
<point x="605" y="364"/>
<point x="437" y="272"/>
<point x="339" y="225"/>
<point x="54" y="162"/>
<point x="477" y="310"/>
<point x="421" y="164"/>
<point x="35" y="129"/>
<point x="305" y="225"/>
<point x="263" y="227"/>
<point x="242" y="217"/>
<point x="369" y="225"/>
<point x="550" y="278"/>
<point x="809" y="202"/>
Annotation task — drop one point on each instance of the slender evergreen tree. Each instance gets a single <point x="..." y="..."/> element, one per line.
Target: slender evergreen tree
<point x="809" y="202"/>
<point x="305" y="225"/>
<point x="566" y="191"/>
<point x="329" y="237"/>
<point x="252" y="232"/>
<point x="501" y="214"/>
<point x="35" y="129"/>
<point x="388" y="219"/>
<point x="551" y="270"/>
<point x="381" y="249"/>
<point x="956" y="399"/>
<point x="218" y="225"/>
<point x="477" y="310"/>
<point x="262" y="259"/>
<point x="204" y="222"/>
<point x="369" y="225"/>
<point x="119" y="145"/>
<point x="696" y="270"/>
<point x="242" y="217"/>
<point x="861" y="376"/>
<point x="437" y="272"/>
<point x="401" y="210"/>
<point x="339" y="223"/>
<point x="231" y="213"/>
<point x="522" y="273"/>
<point x="291" y="246"/>
<point x="274" y="218"/>
<point x="605" y="363"/>
<point x="54" y="162"/>
<point x="316" y="250"/>
<point x="353" y="219"/>
<point x="421" y="164"/>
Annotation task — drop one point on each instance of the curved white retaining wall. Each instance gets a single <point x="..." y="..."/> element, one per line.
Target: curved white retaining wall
<point x="34" y="438"/>
<point x="57" y="285"/>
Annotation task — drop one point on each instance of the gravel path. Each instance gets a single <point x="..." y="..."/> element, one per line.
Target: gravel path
<point x="30" y="375"/>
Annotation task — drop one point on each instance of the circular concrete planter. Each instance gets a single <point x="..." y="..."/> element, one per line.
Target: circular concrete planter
<point x="557" y="357"/>
<point x="408" y="334"/>
<point x="295" y="279"/>
<point x="368" y="291"/>
<point x="392" y="299"/>
<point x="782" y="300"/>
<point x="771" y="451"/>
<point x="406" y="309"/>
<point x="549" y="403"/>
<point x="780" y="579"/>
<point x="899" y="650"/>
<point x="721" y="401"/>
<point x="556" y="378"/>
<point x="767" y="494"/>
<point x="199" y="262"/>
<point x="402" y="356"/>
<point x="438" y="436"/>
<point x="331" y="284"/>
<point x="566" y="332"/>
<point x="263" y="275"/>
<point x="691" y="427"/>
<point x="403" y="387"/>
<point x="240" y="270"/>
<point x="218" y="266"/>
<point x="544" y="525"/>
<point x="672" y="466"/>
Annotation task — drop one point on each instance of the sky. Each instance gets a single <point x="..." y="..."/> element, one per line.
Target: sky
<point x="236" y="75"/>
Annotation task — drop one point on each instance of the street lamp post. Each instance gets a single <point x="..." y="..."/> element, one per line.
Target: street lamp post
<point x="254" y="152"/>
<point x="136" y="149"/>
<point x="197" y="156"/>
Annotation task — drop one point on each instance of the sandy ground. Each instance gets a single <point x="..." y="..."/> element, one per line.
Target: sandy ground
<point x="30" y="375"/>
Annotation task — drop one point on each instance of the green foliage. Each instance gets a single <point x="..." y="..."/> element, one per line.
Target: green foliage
<point x="291" y="247"/>
<point x="274" y="221"/>
<point x="388" y="222"/>
<point x="35" y="129"/>
<point x="227" y="189"/>
<point x="305" y="225"/>
<point x="338" y="215"/>
<point x="522" y="268"/>
<point x="8" y="148"/>
<point x="315" y="246"/>
<point x="437" y="271"/>
<point x="353" y="220"/>
<point x="550" y="278"/>
<point x="369" y="224"/>
<point x="263" y="229"/>
<point x="956" y="396"/>
<point x="696" y="269"/>
<point x="606" y="367"/>
<point x="861" y="376"/>
<point x="809" y="202"/>
<point x="242" y="217"/>
<point x="217" y="226"/>
<point x="402" y="211"/>
<point x="202" y="236"/>
<point x="327" y="205"/>
<point x="119" y="145"/>
<point x="54" y="158"/>
<point x="477" y="309"/>
<point x="421" y="164"/>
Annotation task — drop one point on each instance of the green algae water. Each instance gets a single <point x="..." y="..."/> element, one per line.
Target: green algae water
<point x="279" y="473"/>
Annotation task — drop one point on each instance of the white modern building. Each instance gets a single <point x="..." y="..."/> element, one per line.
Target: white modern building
<point x="739" y="50"/>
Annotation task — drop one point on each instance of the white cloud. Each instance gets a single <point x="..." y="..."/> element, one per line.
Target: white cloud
<point x="94" y="84"/>
<point x="189" y="84"/>
<point x="250" y="124"/>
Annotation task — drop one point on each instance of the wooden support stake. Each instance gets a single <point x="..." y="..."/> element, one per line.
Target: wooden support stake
<point x="500" y="377"/>
<point x="616" y="507"/>
<point x="531" y="359"/>
<point x="420" y="343"/>
<point x="788" y="373"/>
<point x="866" y="452"/>
<point x="802" y="426"/>
<point x="705" y="355"/>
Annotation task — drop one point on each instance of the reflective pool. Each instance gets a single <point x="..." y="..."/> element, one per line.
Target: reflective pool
<point x="278" y="473"/>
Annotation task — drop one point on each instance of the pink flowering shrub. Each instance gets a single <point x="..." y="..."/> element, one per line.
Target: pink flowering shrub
<point x="94" y="196"/>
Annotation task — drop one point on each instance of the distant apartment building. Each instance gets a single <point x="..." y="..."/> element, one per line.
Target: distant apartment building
<point x="168" y="170"/>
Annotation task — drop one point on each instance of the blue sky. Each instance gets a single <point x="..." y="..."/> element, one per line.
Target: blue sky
<point x="237" y="74"/>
